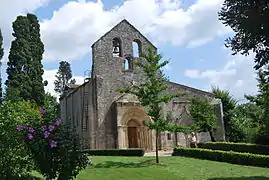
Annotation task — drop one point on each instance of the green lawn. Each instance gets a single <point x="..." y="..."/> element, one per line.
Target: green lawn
<point x="174" y="168"/>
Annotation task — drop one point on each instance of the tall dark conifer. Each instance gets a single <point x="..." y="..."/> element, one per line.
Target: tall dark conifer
<point x="36" y="70"/>
<point x="63" y="77"/>
<point x="1" y="56"/>
<point x="24" y="67"/>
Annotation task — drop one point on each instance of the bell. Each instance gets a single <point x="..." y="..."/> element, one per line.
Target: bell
<point x="116" y="50"/>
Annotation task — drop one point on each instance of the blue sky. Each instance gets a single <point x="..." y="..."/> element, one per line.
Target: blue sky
<point x="187" y="32"/>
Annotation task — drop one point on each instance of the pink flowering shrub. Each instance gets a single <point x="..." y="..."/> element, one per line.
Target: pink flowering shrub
<point x="54" y="148"/>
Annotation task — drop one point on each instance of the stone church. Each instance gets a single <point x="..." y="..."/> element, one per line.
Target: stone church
<point x="105" y="119"/>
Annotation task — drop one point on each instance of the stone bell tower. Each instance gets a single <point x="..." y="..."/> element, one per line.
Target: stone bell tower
<point x="112" y="68"/>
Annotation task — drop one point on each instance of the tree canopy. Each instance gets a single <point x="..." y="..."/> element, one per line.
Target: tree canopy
<point x="204" y="116"/>
<point x="1" y="56"/>
<point x="63" y="76"/>
<point x="262" y="100"/>
<point x="25" y="70"/>
<point x="249" y="19"/>
<point x="228" y="104"/>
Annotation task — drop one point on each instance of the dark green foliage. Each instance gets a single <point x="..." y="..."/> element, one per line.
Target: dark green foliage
<point x="63" y="76"/>
<point x="246" y="123"/>
<point x="237" y="147"/>
<point x="115" y="152"/>
<point x="228" y="104"/>
<point x="204" y="116"/>
<point x="183" y="129"/>
<point x="173" y="126"/>
<point x="262" y="100"/>
<point x="52" y="107"/>
<point x="1" y="56"/>
<point x="24" y="69"/>
<point x="1" y="45"/>
<point x="152" y="92"/>
<point x="224" y="156"/>
<point x="66" y="160"/>
<point x="249" y="19"/>
<point x="14" y="158"/>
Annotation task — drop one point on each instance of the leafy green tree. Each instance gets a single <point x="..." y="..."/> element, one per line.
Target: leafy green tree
<point x="262" y="79"/>
<point x="52" y="106"/>
<point x="24" y="70"/>
<point x="15" y="160"/>
<point x="246" y="122"/>
<point x="228" y="104"/>
<point x="1" y="56"/>
<point x="152" y="92"/>
<point x="204" y="116"/>
<point x="262" y="100"/>
<point x="64" y="76"/>
<point x="249" y="21"/>
<point x="174" y="126"/>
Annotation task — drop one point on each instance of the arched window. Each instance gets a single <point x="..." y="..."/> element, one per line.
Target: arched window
<point x="136" y="48"/>
<point x="116" y="50"/>
<point x="127" y="63"/>
<point x="169" y="136"/>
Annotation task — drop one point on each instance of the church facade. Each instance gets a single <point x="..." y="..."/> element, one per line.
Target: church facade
<point x="106" y="119"/>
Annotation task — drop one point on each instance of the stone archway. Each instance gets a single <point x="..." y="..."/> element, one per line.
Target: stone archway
<point x="132" y="133"/>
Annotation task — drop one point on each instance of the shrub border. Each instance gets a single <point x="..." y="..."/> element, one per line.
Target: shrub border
<point x="224" y="156"/>
<point x="237" y="147"/>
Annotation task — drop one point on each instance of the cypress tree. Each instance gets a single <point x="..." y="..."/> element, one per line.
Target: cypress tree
<point x="36" y="69"/>
<point x="24" y="70"/>
<point x="1" y="56"/>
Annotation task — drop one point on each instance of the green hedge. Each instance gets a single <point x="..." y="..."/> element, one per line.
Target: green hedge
<point x="237" y="147"/>
<point x="224" y="156"/>
<point x="115" y="152"/>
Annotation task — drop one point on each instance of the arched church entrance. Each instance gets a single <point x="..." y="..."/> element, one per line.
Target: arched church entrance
<point x="137" y="135"/>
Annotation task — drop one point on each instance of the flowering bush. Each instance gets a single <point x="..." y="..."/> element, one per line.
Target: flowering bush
<point x="54" y="148"/>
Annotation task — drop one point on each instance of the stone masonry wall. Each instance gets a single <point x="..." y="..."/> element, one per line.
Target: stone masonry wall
<point x="71" y="112"/>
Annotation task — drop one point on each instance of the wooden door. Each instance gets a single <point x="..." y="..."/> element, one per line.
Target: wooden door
<point x="132" y="137"/>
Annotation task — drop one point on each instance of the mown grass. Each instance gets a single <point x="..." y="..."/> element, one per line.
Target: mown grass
<point x="172" y="168"/>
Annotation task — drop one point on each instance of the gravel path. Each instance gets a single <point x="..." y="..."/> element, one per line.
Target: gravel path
<point x="161" y="153"/>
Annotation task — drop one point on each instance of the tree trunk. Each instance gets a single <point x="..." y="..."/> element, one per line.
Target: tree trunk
<point x="211" y="136"/>
<point x="176" y="138"/>
<point x="157" y="146"/>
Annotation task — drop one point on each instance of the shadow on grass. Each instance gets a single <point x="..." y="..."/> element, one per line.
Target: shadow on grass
<point x="113" y="164"/>
<point x="242" y="178"/>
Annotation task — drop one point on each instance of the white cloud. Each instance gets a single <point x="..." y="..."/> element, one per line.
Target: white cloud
<point x="49" y="75"/>
<point x="192" y="73"/>
<point x="10" y="9"/>
<point x="237" y="76"/>
<point x="75" y="26"/>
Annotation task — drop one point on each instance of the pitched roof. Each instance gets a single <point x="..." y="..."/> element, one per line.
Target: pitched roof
<point x="127" y="22"/>
<point x="193" y="89"/>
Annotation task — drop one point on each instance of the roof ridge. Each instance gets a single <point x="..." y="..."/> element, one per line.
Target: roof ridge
<point x="132" y="26"/>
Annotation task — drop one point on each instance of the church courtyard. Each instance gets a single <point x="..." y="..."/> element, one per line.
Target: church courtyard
<point x="173" y="168"/>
